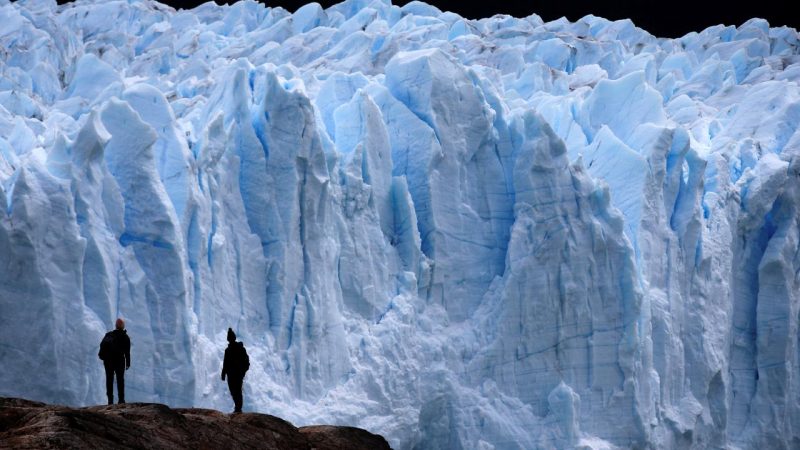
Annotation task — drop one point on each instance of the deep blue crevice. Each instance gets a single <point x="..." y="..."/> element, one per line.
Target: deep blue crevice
<point x="129" y="238"/>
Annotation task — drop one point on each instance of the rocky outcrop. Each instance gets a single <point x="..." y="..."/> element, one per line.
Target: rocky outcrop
<point x="27" y="424"/>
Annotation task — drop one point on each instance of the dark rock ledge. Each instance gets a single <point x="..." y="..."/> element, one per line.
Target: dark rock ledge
<point x="25" y="424"/>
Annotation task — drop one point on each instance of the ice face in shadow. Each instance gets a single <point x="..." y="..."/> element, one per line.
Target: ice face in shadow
<point x="496" y="233"/>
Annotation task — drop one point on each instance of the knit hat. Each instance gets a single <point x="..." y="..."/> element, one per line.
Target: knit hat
<point x="120" y="325"/>
<point x="231" y="336"/>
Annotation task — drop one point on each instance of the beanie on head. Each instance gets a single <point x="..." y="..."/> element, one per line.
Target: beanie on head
<point x="120" y="325"/>
<point x="231" y="335"/>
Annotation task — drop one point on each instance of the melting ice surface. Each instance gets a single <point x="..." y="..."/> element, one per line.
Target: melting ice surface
<point x="495" y="233"/>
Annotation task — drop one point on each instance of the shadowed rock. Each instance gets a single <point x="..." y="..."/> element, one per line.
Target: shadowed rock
<point x="28" y="424"/>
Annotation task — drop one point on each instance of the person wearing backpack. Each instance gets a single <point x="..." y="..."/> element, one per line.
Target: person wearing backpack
<point x="115" y="351"/>
<point x="234" y="366"/>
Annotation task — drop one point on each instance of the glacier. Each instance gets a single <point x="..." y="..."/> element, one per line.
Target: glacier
<point x="482" y="234"/>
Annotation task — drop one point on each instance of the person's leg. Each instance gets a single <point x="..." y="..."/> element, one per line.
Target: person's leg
<point x="238" y="400"/>
<point x="232" y="388"/>
<point x="109" y="382"/>
<point x="235" y="386"/>
<point x="120" y="370"/>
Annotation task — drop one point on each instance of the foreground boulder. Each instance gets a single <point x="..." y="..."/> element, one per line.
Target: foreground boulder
<point x="27" y="424"/>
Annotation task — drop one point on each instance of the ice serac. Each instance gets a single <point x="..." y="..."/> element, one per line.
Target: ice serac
<point x="568" y="312"/>
<point x="152" y="231"/>
<point x="483" y="234"/>
<point x="466" y="209"/>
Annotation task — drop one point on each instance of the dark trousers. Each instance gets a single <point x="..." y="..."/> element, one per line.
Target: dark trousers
<point x="235" y="386"/>
<point x="115" y="368"/>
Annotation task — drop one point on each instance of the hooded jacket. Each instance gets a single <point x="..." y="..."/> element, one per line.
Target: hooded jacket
<point x="236" y="361"/>
<point x="123" y="346"/>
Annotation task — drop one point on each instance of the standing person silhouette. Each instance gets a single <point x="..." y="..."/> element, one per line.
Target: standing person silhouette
<point x="234" y="366"/>
<point x="115" y="351"/>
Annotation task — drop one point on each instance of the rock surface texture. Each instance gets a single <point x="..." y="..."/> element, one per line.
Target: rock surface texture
<point x="481" y="234"/>
<point x="26" y="424"/>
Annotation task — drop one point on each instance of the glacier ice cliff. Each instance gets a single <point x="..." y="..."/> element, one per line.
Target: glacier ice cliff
<point x="497" y="233"/>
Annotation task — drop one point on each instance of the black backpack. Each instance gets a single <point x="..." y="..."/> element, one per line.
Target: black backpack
<point x="244" y="360"/>
<point x="108" y="347"/>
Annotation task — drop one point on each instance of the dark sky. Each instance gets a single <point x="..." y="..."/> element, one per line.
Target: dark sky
<point x="666" y="18"/>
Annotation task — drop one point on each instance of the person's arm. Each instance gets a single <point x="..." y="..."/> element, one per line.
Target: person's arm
<point x="127" y="352"/>
<point x="225" y="364"/>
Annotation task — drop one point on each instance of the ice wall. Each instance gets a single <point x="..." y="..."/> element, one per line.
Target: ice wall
<point x="495" y="233"/>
